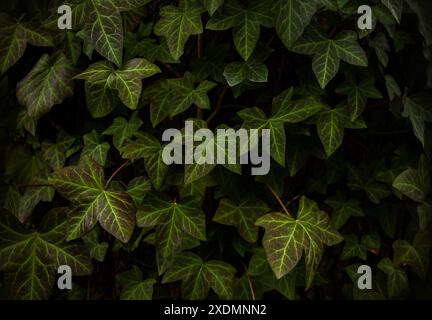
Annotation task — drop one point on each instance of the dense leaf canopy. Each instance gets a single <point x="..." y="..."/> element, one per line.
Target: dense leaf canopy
<point x="84" y="184"/>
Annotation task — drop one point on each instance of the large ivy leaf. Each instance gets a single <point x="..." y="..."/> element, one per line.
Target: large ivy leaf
<point x="245" y="21"/>
<point x="14" y="36"/>
<point x="178" y="24"/>
<point x="251" y="70"/>
<point x="292" y="17"/>
<point x="358" y="95"/>
<point x="134" y="287"/>
<point x="92" y="201"/>
<point x="284" y="110"/>
<point x="47" y="84"/>
<point x="415" y="255"/>
<point x="173" y="219"/>
<point x="104" y="28"/>
<point x="30" y="258"/>
<point x="286" y="238"/>
<point x="329" y="52"/>
<point x="102" y="81"/>
<point x="415" y="184"/>
<point x="147" y="147"/>
<point x="198" y="276"/>
<point x="242" y="216"/>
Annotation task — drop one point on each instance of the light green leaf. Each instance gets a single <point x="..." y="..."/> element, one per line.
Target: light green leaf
<point x="415" y="255"/>
<point x="198" y="276"/>
<point x="242" y="216"/>
<point x="173" y="219"/>
<point x="397" y="280"/>
<point x="94" y="148"/>
<point x="416" y="108"/>
<point x="178" y="24"/>
<point x="134" y="287"/>
<point x="286" y="238"/>
<point x="292" y="17"/>
<point x="358" y="95"/>
<point x="212" y="5"/>
<point x="353" y="248"/>
<point x="147" y="147"/>
<point x="238" y="72"/>
<point x="30" y="258"/>
<point x="104" y="29"/>
<point x="14" y="36"/>
<point x="84" y="186"/>
<point x="47" y="84"/>
<point x="415" y="184"/>
<point x="329" y="52"/>
<point x="245" y="21"/>
<point x="121" y="129"/>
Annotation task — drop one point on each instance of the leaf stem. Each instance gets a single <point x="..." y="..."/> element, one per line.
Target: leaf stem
<point x="252" y="290"/>
<point x="278" y="199"/>
<point x="115" y="173"/>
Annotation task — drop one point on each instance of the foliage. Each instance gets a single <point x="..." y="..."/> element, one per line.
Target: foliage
<point x="84" y="184"/>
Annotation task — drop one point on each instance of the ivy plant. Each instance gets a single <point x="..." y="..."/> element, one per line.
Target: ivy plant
<point x="84" y="182"/>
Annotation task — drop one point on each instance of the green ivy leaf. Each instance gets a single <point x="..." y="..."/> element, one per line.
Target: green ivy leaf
<point x="14" y="36"/>
<point x="358" y="95"/>
<point x="103" y="28"/>
<point x="94" y="148"/>
<point x="184" y="94"/>
<point x="415" y="255"/>
<point x="30" y="258"/>
<point x="84" y="186"/>
<point x="198" y="276"/>
<point x="286" y="238"/>
<point x="329" y="52"/>
<point x="353" y="248"/>
<point x="173" y="219"/>
<point x="245" y="21"/>
<point x="358" y="180"/>
<point x="178" y="24"/>
<point x="251" y="70"/>
<point x="397" y="280"/>
<point x="137" y="188"/>
<point x="284" y="110"/>
<point x="47" y="84"/>
<point x="292" y="17"/>
<point x="212" y="5"/>
<point x="147" y="147"/>
<point x="134" y="287"/>
<point x="96" y="248"/>
<point x="121" y="129"/>
<point x="415" y="184"/>
<point x="417" y="110"/>
<point x="242" y="216"/>
<point x="331" y="124"/>
<point x="343" y="209"/>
